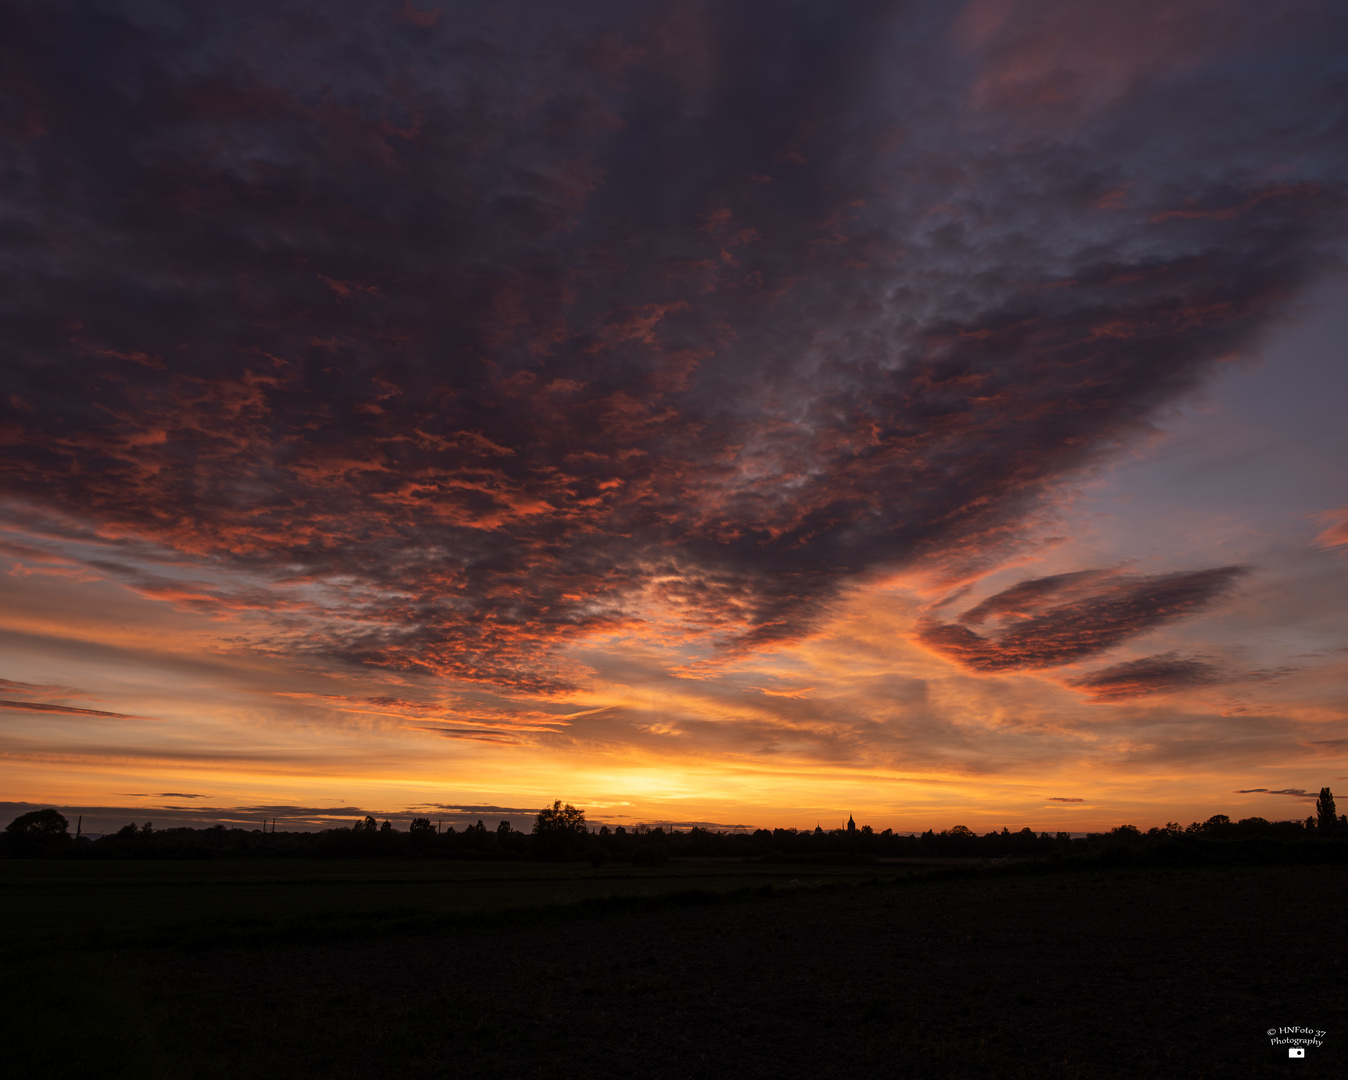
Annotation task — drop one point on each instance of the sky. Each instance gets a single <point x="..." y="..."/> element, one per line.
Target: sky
<point x="735" y="414"/>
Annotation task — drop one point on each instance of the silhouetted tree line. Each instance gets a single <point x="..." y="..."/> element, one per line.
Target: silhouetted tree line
<point x="560" y="833"/>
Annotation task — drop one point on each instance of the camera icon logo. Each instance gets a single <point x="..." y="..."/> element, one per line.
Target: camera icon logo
<point x="1296" y="1051"/>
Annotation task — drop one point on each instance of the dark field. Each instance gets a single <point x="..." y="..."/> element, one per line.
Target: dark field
<point x="334" y="969"/>
<point x="232" y="900"/>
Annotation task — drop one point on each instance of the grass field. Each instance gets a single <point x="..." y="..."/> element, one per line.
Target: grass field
<point x="336" y="969"/>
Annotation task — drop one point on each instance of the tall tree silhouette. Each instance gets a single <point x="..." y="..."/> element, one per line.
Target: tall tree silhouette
<point x="1325" y="817"/>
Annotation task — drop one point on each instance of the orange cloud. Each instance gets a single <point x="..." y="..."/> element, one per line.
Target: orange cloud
<point x="1335" y="533"/>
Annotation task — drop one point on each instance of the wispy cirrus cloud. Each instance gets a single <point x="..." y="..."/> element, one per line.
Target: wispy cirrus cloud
<point x="1298" y="793"/>
<point x="13" y="685"/>
<point x="66" y="710"/>
<point x="1335" y="531"/>
<point x="1051" y="621"/>
<point x="58" y="708"/>
<point x="1159" y="674"/>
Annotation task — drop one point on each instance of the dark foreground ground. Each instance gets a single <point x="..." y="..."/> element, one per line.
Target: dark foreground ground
<point x="1174" y="974"/>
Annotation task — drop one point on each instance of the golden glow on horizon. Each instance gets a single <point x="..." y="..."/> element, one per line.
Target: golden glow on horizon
<point x="857" y="719"/>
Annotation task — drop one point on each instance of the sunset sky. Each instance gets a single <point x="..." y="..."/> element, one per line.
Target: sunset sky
<point x="725" y="413"/>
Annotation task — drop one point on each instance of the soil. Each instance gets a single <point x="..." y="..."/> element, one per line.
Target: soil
<point x="1175" y="974"/>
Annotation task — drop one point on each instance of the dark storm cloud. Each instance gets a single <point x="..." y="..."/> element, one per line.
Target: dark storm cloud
<point x="443" y="338"/>
<point x="1047" y="622"/>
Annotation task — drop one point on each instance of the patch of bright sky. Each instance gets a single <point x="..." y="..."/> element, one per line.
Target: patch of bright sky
<point x="1235" y="474"/>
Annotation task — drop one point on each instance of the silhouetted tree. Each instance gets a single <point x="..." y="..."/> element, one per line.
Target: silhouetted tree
<point x="1326" y="819"/>
<point x="559" y="831"/>
<point x="421" y="833"/>
<point x="960" y="840"/>
<point x="39" y="823"/>
<point x="37" y="831"/>
<point x="369" y="825"/>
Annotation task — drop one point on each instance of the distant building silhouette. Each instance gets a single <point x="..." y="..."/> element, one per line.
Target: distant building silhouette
<point x="851" y="825"/>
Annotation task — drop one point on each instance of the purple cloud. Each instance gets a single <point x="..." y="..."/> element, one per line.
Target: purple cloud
<point x="1048" y="622"/>
<point x="448" y="341"/>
